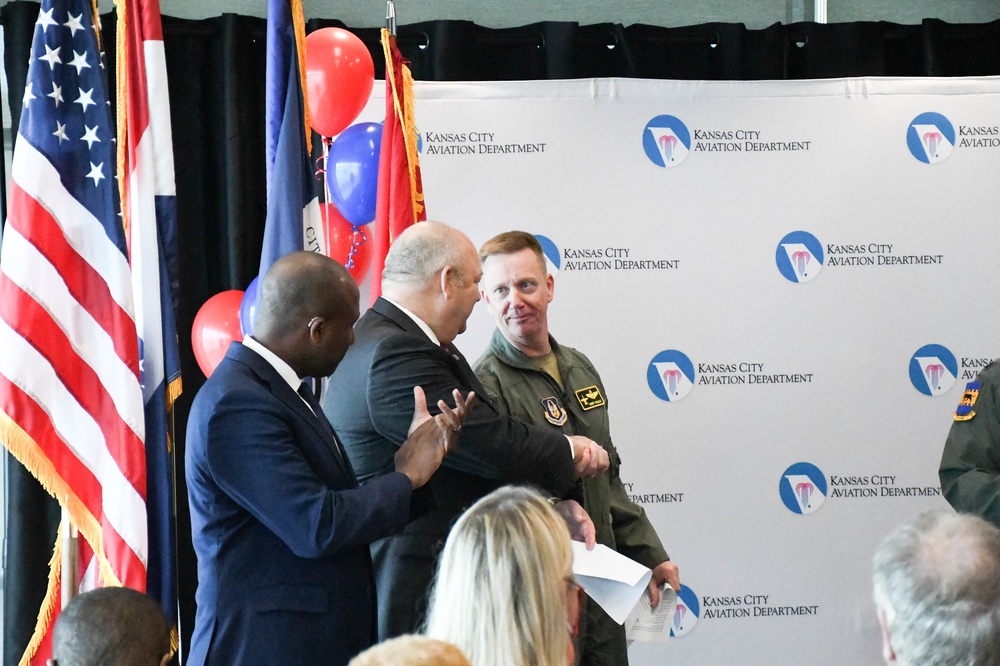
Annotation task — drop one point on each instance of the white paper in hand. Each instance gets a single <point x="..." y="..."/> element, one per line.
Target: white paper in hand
<point x="612" y="580"/>
<point x="652" y="624"/>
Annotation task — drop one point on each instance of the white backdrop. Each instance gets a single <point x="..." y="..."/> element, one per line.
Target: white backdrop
<point x="797" y="437"/>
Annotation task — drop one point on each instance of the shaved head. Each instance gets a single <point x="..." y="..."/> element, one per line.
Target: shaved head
<point x="298" y="286"/>
<point x="111" y="626"/>
<point x="308" y="306"/>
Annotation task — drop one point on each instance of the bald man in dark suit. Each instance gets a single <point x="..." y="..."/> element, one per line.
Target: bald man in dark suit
<point x="280" y="525"/>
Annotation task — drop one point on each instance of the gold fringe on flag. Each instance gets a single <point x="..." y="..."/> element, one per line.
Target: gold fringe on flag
<point x="407" y="120"/>
<point x="174" y="390"/>
<point x="121" y="78"/>
<point x="97" y="23"/>
<point x="410" y="138"/>
<point x="29" y="454"/>
<point x="299" y="21"/>
<point x="48" y="604"/>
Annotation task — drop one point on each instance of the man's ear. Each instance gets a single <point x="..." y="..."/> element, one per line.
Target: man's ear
<point x="887" y="652"/>
<point x="446" y="275"/>
<point x="316" y="328"/>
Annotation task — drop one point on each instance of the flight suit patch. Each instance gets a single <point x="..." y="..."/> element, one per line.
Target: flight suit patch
<point x="590" y="398"/>
<point x="964" y="411"/>
<point x="554" y="412"/>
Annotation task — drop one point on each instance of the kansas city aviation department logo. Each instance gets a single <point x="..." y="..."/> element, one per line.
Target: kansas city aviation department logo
<point x="933" y="370"/>
<point x="930" y="138"/>
<point x="687" y="612"/>
<point x="666" y="141"/>
<point x="551" y="252"/>
<point x="670" y="375"/>
<point x="799" y="256"/>
<point x="802" y="488"/>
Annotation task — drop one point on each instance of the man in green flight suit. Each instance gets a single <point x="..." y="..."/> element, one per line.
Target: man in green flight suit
<point x="970" y="464"/>
<point x="538" y="381"/>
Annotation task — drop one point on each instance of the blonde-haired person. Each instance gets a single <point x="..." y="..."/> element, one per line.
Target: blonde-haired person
<point x="410" y="650"/>
<point x="504" y="592"/>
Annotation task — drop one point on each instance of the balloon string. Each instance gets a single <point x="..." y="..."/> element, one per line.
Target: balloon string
<point x="321" y="165"/>
<point x="321" y="175"/>
<point x="355" y="244"/>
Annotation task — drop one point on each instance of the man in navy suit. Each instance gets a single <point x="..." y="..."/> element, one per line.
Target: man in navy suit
<point x="430" y="285"/>
<point x="280" y="526"/>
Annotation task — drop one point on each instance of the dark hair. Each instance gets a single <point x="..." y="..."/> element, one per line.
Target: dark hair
<point x="111" y="626"/>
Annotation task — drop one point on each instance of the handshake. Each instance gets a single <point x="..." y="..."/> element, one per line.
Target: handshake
<point x="589" y="457"/>
<point x="431" y="437"/>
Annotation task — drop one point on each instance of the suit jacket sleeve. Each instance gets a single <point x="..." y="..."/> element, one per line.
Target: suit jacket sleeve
<point x="492" y="445"/>
<point x="258" y="454"/>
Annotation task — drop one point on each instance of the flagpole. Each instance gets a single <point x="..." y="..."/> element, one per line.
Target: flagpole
<point x="390" y="17"/>
<point x="70" y="578"/>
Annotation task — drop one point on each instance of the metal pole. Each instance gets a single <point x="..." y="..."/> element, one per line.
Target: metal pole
<point x="70" y="578"/>
<point x="819" y="11"/>
<point x="390" y="17"/>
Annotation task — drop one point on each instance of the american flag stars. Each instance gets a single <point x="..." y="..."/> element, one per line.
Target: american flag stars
<point x="96" y="172"/>
<point x="63" y="78"/>
<point x="74" y="23"/>
<point x="45" y="19"/>
<point x="79" y="61"/>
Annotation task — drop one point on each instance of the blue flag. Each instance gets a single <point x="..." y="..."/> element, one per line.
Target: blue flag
<point x="292" y="204"/>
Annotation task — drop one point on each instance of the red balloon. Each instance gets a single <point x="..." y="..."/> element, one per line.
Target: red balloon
<point x="341" y="238"/>
<point x="215" y="326"/>
<point x="339" y="79"/>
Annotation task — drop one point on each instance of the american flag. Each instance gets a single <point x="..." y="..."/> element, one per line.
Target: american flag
<point x="71" y="406"/>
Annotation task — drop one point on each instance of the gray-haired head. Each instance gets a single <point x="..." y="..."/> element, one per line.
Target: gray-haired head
<point x="937" y="589"/>
<point x="420" y="252"/>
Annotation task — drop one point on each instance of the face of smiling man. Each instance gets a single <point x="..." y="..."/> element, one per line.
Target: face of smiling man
<point x="517" y="291"/>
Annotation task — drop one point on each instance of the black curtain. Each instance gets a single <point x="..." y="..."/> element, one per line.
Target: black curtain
<point x="216" y="82"/>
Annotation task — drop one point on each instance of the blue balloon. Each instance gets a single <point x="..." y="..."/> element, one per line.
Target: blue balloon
<point x="248" y="308"/>
<point x="352" y="171"/>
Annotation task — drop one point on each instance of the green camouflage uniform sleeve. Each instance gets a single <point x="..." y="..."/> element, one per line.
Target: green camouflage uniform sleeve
<point x="970" y="465"/>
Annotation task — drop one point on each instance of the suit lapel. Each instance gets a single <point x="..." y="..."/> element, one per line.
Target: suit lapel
<point x="464" y="371"/>
<point x="283" y="393"/>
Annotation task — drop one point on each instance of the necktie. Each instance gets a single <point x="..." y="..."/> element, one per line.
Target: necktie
<point x="307" y="394"/>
